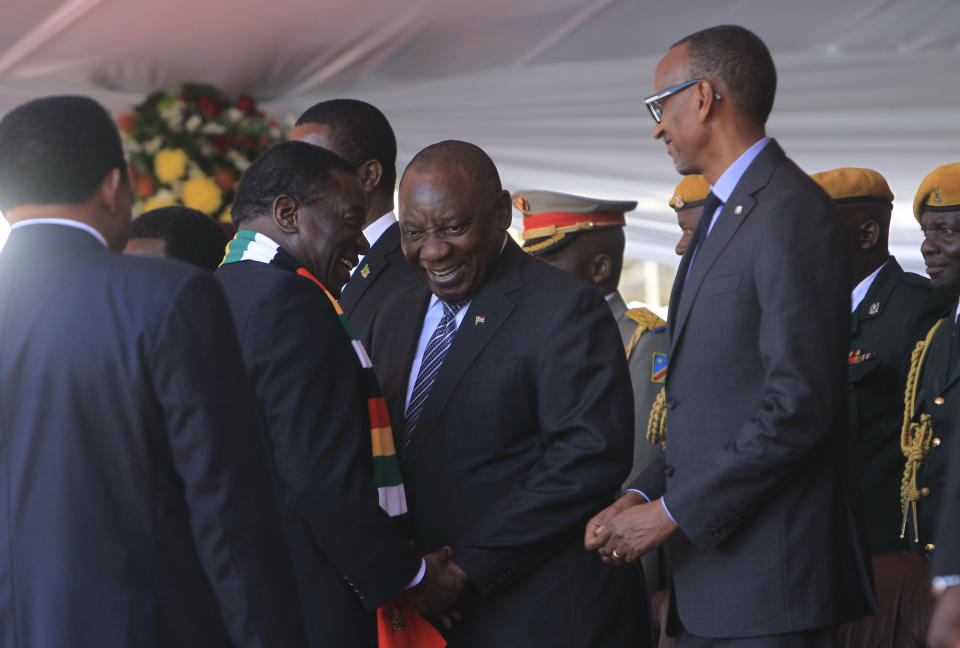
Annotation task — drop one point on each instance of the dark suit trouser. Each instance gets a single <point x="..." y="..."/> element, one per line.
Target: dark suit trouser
<point x="821" y="638"/>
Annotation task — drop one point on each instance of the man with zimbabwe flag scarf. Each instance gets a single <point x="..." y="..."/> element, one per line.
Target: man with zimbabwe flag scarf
<point x="298" y="211"/>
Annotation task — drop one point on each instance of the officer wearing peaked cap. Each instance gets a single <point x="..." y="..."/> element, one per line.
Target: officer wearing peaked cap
<point x="890" y="311"/>
<point x="584" y="236"/>
<point x="933" y="387"/>
<point x="687" y="201"/>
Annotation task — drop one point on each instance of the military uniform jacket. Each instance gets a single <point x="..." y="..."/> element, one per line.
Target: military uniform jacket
<point x="648" y="373"/>
<point x="938" y="396"/>
<point x="897" y="311"/>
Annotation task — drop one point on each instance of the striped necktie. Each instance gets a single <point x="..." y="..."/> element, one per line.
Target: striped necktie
<point x="433" y="357"/>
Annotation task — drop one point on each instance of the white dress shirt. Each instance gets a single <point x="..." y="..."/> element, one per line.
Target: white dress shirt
<point x="61" y="221"/>
<point x="863" y="288"/>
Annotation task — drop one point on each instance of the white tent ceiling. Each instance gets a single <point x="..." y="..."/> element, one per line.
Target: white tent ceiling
<point x="550" y="88"/>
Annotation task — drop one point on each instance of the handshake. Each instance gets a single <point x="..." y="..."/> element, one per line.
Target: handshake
<point x="442" y="585"/>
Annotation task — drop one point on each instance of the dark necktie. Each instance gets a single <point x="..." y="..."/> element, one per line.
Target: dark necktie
<point x="709" y="206"/>
<point x="433" y="357"/>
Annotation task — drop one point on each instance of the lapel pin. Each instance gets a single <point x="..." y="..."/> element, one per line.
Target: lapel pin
<point x="738" y="209"/>
<point x="478" y="320"/>
<point x="365" y="270"/>
<point x="874" y="308"/>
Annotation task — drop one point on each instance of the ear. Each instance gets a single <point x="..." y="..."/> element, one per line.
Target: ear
<point x="600" y="269"/>
<point x="111" y="189"/>
<point x="286" y="214"/>
<point x="707" y="96"/>
<point x="370" y="173"/>
<point x="868" y="234"/>
<point x="504" y="209"/>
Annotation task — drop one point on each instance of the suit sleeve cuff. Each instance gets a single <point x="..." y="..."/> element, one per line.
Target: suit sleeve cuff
<point x="641" y="494"/>
<point x="669" y="515"/>
<point x="419" y="577"/>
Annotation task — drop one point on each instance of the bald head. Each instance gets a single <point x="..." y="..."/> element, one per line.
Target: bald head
<point x="453" y="218"/>
<point x="453" y="155"/>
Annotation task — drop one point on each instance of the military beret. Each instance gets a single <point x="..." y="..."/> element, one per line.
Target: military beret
<point x="939" y="191"/>
<point x="849" y="185"/>
<point x="552" y="219"/>
<point x="691" y="192"/>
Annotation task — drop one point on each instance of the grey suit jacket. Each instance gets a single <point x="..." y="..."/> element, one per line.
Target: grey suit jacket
<point x="755" y="422"/>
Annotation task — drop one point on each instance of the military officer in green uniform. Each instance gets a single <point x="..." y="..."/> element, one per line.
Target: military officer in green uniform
<point x="890" y="311"/>
<point x="933" y="384"/>
<point x="584" y="236"/>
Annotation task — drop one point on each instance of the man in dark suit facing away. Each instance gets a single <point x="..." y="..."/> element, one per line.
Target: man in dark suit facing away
<point x="512" y="387"/>
<point x="298" y="211"/>
<point x="137" y="506"/>
<point x="750" y="492"/>
<point x="361" y="135"/>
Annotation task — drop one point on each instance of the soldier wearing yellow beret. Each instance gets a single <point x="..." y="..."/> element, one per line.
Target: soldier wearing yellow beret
<point x="687" y="201"/>
<point x="932" y="394"/>
<point x="890" y="311"/>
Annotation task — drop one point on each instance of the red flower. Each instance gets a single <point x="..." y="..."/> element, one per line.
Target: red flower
<point x="209" y="107"/>
<point x="222" y="142"/>
<point x="264" y="141"/>
<point x="225" y="179"/>
<point x="145" y="186"/>
<point x="246" y="104"/>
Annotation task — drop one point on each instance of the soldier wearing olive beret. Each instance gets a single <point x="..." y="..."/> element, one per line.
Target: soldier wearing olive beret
<point x="687" y="201"/>
<point x="932" y="393"/>
<point x="890" y="311"/>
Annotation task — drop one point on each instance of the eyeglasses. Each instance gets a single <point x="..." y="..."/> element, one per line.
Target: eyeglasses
<point x="945" y="235"/>
<point x="654" y="102"/>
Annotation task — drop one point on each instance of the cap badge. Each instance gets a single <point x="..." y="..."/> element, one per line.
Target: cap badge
<point x="520" y="202"/>
<point x="677" y="201"/>
<point x="478" y="320"/>
<point x="936" y="193"/>
<point x="874" y="308"/>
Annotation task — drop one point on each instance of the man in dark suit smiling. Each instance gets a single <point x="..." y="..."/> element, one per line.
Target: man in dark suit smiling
<point x="749" y="492"/>
<point x="510" y="391"/>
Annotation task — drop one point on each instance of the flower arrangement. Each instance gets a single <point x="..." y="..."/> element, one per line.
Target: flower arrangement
<point x="190" y="147"/>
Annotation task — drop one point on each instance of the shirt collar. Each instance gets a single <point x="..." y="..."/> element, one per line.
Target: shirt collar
<point x="727" y="182"/>
<point x="61" y="221"/>
<point x="375" y="230"/>
<point x="863" y="288"/>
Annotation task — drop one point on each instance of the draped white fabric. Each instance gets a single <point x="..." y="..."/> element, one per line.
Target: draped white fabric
<point x="551" y="89"/>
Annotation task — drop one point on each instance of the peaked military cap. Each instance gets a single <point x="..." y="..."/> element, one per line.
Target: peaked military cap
<point x="691" y="192"/>
<point x="851" y="185"/>
<point x="939" y="191"/>
<point x="552" y="219"/>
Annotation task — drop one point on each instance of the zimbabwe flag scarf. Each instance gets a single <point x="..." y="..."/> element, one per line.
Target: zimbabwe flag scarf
<point x="399" y="624"/>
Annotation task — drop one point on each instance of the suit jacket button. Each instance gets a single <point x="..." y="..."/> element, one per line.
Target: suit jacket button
<point x="924" y="492"/>
<point x="671" y="404"/>
<point x="930" y="547"/>
<point x="668" y="470"/>
<point x="938" y="400"/>
<point x="936" y="442"/>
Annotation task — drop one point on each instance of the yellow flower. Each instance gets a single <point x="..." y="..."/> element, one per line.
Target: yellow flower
<point x="154" y="202"/>
<point x="226" y="216"/>
<point x="203" y="194"/>
<point x="170" y="164"/>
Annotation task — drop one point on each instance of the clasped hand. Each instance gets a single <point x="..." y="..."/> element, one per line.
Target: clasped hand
<point x="441" y="587"/>
<point x="628" y="529"/>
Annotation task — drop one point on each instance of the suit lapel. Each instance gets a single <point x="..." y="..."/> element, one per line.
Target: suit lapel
<point x="737" y="208"/>
<point x="375" y="262"/>
<point x="403" y="348"/>
<point x="489" y="309"/>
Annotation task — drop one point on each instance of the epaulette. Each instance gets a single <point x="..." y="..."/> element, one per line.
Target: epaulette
<point x="646" y="320"/>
